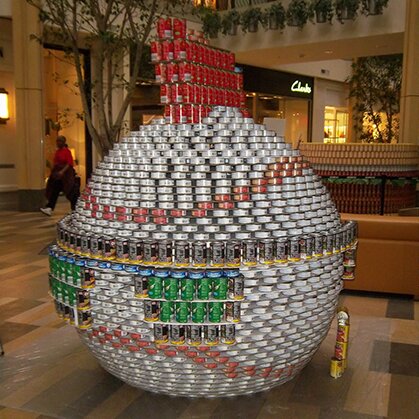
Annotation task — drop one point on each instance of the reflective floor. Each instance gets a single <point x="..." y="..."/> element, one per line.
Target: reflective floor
<point x="47" y="372"/>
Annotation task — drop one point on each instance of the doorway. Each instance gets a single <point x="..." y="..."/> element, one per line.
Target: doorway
<point x="63" y="111"/>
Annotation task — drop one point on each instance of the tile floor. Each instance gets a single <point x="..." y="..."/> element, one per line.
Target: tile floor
<point x="47" y="372"/>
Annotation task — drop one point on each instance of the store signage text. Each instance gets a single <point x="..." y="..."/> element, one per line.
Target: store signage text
<point x="298" y="87"/>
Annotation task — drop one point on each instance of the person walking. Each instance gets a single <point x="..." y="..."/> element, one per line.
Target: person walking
<point x="62" y="178"/>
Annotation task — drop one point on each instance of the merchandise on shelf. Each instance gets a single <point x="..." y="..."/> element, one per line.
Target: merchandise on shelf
<point x="205" y="258"/>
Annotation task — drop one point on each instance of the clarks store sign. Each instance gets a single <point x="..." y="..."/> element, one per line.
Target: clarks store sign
<point x="297" y="86"/>
<point x="262" y="80"/>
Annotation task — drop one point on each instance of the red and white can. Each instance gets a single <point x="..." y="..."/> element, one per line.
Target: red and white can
<point x="160" y="72"/>
<point x="179" y="28"/>
<point x="179" y="49"/>
<point x="189" y="51"/>
<point x="167" y="50"/>
<point x="164" y="28"/>
<point x="184" y="71"/>
<point x="155" y="48"/>
<point x="164" y="93"/>
<point x="167" y="114"/>
<point x="188" y="93"/>
<point x="197" y="89"/>
<point x="172" y="73"/>
<point x="176" y="93"/>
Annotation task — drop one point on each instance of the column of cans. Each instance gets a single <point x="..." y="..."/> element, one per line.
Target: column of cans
<point x="193" y="76"/>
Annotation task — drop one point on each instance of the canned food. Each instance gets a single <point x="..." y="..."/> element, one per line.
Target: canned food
<point x="151" y="310"/>
<point x="170" y="288"/>
<point x="266" y="251"/>
<point x="249" y="256"/>
<point x="141" y="286"/>
<point x="161" y="333"/>
<point x="212" y="335"/>
<point x="165" y="252"/>
<point x="187" y="288"/>
<point x="182" y="255"/>
<point x="336" y="367"/>
<point x="219" y="287"/>
<point x="177" y="334"/>
<point x="215" y="312"/>
<point x="233" y="253"/>
<point x="199" y="254"/>
<point x="236" y="287"/>
<point x="167" y="309"/>
<point x="199" y="312"/>
<point x="150" y="252"/>
<point x="155" y="287"/>
<point x="194" y="334"/>
<point x="121" y="250"/>
<point x="182" y="311"/>
<point x="135" y="251"/>
<point x="216" y="254"/>
<point x="228" y="334"/>
<point x="233" y="311"/>
<point x="294" y="249"/>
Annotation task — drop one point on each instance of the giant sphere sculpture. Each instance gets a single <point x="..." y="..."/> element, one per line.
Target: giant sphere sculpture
<point x="202" y="259"/>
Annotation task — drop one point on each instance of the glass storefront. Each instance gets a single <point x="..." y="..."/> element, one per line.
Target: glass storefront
<point x="284" y="98"/>
<point x="335" y="125"/>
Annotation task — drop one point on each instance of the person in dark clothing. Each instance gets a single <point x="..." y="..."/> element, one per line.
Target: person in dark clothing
<point x="62" y="178"/>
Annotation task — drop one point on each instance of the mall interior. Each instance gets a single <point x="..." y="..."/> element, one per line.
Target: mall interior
<point x="257" y="258"/>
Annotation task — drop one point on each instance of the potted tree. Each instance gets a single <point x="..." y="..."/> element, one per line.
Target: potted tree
<point x="211" y="23"/>
<point x="230" y="22"/>
<point x="251" y="18"/>
<point x="298" y="13"/>
<point x="373" y="7"/>
<point x="346" y="9"/>
<point x="323" y="10"/>
<point x="275" y="16"/>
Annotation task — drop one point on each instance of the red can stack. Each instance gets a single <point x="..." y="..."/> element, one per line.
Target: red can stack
<point x="193" y="75"/>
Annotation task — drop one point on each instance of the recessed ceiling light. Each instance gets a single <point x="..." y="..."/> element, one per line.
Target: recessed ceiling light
<point x="328" y="51"/>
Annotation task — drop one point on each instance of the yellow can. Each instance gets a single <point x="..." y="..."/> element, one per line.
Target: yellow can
<point x="336" y="368"/>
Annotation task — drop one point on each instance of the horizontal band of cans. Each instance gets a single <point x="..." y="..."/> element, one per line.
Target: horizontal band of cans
<point x="202" y="254"/>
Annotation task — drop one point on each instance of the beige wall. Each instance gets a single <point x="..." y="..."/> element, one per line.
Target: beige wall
<point x="8" y="181"/>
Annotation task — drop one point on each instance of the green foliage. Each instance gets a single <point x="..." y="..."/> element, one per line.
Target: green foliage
<point x="229" y="21"/>
<point x="298" y="13"/>
<point x="251" y="18"/>
<point x="346" y="9"/>
<point x="375" y="87"/>
<point x="324" y="7"/>
<point x="277" y="12"/>
<point x="375" y="7"/>
<point x="211" y="22"/>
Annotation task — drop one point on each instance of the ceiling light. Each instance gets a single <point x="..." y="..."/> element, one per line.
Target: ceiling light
<point x="328" y="51"/>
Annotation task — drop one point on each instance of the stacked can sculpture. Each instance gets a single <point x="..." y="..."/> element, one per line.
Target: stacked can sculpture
<point x="203" y="259"/>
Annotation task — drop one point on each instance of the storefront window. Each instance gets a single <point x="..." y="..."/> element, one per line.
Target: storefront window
<point x="335" y="125"/>
<point x="294" y="111"/>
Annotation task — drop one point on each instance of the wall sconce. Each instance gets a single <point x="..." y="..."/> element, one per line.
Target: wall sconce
<point x="4" y="106"/>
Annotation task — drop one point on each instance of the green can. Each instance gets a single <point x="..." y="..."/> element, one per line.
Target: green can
<point x="182" y="312"/>
<point x="187" y="289"/>
<point x="171" y="290"/>
<point x="69" y="270"/>
<point x="167" y="309"/>
<point x="216" y="311"/>
<point x="62" y="266"/>
<point x="199" y="312"/>
<point x="220" y="288"/>
<point x="155" y="287"/>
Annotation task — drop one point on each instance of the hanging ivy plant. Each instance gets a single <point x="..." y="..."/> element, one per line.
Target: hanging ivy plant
<point x="298" y="13"/>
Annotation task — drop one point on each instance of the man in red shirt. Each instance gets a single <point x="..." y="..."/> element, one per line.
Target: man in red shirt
<point x="62" y="178"/>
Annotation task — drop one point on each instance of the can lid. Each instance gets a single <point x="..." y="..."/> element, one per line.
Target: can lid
<point x="161" y="273"/>
<point x="144" y="271"/>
